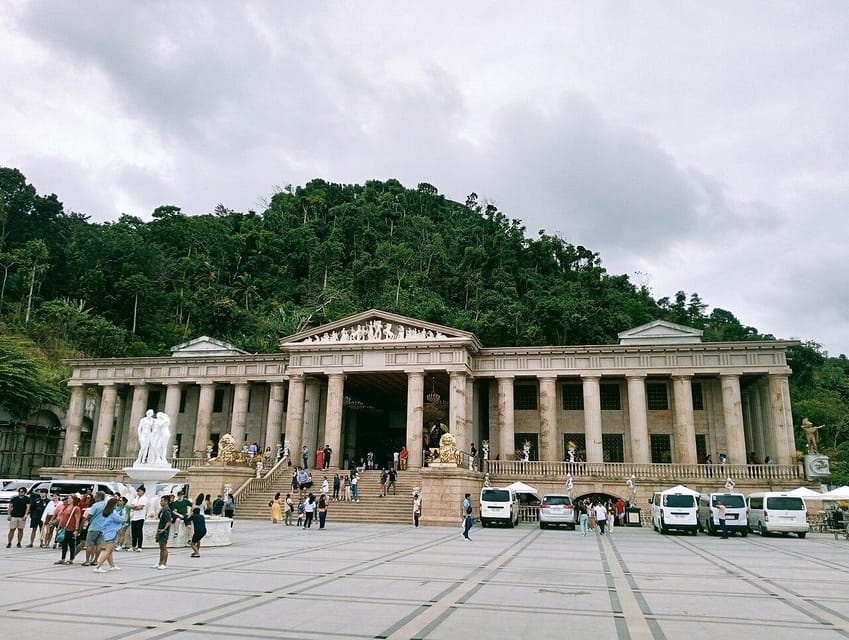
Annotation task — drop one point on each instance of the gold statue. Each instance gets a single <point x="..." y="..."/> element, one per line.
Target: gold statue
<point x="448" y="449"/>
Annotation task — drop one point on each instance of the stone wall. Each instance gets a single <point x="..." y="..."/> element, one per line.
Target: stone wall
<point x="442" y="494"/>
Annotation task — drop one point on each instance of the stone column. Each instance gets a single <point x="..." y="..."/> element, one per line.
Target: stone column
<point x="137" y="411"/>
<point x="765" y="420"/>
<point x="239" y="417"/>
<point x="106" y="420"/>
<point x="732" y="412"/>
<point x="782" y="419"/>
<point x="683" y="428"/>
<point x="548" y="450"/>
<point x="471" y="417"/>
<point x="415" y="410"/>
<point x="74" y="425"/>
<point x="203" y="427"/>
<point x="173" y="391"/>
<point x="592" y="417"/>
<point x="639" y="425"/>
<point x="312" y="410"/>
<point x="457" y="409"/>
<point x="333" y="424"/>
<point x="274" y="418"/>
<point x="295" y="417"/>
<point x="506" y="425"/>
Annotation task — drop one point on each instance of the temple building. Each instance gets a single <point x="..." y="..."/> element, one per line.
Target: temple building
<point x="376" y="381"/>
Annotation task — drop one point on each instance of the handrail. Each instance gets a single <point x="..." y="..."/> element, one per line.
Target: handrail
<point x="656" y="471"/>
<point x="251" y="485"/>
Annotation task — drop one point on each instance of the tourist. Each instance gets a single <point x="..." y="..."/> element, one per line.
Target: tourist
<point x="384" y="479"/>
<point x="327" y="453"/>
<point x="48" y="520"/>
<point x="163" y="530"/>
<point x="319" y="459"/>
<point x="290" y="507"/>
<point x="322" y="510"/>
<point x="600" y="515"/>
<point x="181" y="507"/>
<point x="417" y="509"/>
<point x="402" y="457"/>
<point x="305" y="456"/>
<point x="472" y="453"/>
<point x="113" y="520"/>
<point x="294" y="481"/>
<point x="390" y="483"/>
<point x="229" y="507"/>
<point x="620" y="512"/>
<point x="721" y="511"/>
<point x="124" y="506"/>
<point x="583" y="516"/>
<point x="94" y="534"/>
<point x="69" y="526"/>
<point x="337" y="483"/>
<point x="138" y="512"/>
<point x="301" y="513"/>
<point x="348" y="487"/>
<point x="468" y="519"/>
<point x="36" y="511"/>
<point x="207" y="504"/>
<point x="370" y="460"/>
<point x="218" y="506"/>
<point x="276" y="508"/>
<point x="303" y="479"/>
<point x="197" y="521"/>
<point x="18" y="510"/>
<point x="309" y="510"/>
<point x="396" y="459"/>
<point x="355" y="488"/>
<point x="325" y="486"/>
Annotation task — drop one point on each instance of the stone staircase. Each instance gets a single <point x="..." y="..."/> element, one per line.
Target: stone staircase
<point x="392" y="509"/>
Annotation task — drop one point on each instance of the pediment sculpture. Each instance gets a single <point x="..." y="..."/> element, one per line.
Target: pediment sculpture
<point x="375" y="331"/>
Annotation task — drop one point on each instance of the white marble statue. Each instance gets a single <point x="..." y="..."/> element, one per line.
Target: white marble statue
<point x="570" y="484"/>
<point x="632" y="494"/>
<point x="161" y="438"/>
<point x="146" y="433"/>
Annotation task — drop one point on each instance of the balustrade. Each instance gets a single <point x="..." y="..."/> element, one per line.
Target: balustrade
<point x="115" y="463"/>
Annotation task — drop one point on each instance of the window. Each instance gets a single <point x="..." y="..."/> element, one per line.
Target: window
<point x="698" y="398"/>
<point x="524" y="397"/>
<point x="580" y="441"/>
<point x="153" y="399"/>
<point x="661" y="448"/>
<point x="573" y="397"/>
<point x="610" y="397"/>
<point x="612" y="447"/>
<point x="183" y="395"/>
<point x="656" y="396"/>
<point x="218" y="401"/>
<point x="519" y="440"/>
<point x="701" y="447"/>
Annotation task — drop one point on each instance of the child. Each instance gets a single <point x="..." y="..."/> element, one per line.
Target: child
<point x="300" y="513"/>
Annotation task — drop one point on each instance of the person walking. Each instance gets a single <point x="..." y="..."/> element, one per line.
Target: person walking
<point x="402" y="456"/>
<point x="94" y="536"/>
<point x="113" y="520"/>
<point x="468" y="520"/>
<point x="337" y="483"/>
<point x="309" y="510"/>
<point x="384" y="478"/>
<point x="18" y="508"/>
<point x="322" y="510"/>
<point x="583" y="516"/>
<point x="36" y="511"/>
<point x="69" y="527"/>
<point x="48" y="520"/>
<point x="305" y="456"/>
<point x="290" y="507"/>
<point x="417" y="509"/>
<point x="276" y="506"/>
<point x="721" y="511"/>
<point x="390" y="483"/>
<point x="230" y="507"/>
<point x="601" y="516"/>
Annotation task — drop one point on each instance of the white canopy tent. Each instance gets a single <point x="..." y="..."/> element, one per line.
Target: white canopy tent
<point x="680" y="488"/>
<point x="521" y="487"/>
<point x="841" y="493"/>
<point x="804" y="492"/>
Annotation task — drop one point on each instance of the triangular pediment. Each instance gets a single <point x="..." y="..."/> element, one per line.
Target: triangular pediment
<point x="661" y="332"/>
<point x="206" y="346"/>
<point x="375" y="326"/>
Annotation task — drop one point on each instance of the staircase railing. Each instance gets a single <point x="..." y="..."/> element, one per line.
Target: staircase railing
<point x="117" y="463"/>
<point x="252" y="485"/>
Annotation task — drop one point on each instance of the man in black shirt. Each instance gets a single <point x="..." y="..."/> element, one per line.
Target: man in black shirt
<point x="36" y="509"/>
<point x="18" y="512"/>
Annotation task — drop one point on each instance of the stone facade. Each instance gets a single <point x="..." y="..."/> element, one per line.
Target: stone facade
<point x="376" y="381"/>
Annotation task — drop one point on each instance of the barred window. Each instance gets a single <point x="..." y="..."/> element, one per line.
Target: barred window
<point x="218" y="401"/>
<point x="657" y="398"/>
<point x="525" y="397"/>
<point x="610" y="397"/>
<point x="613" y="447"/>
<point x="698" y="397"/>
<point x="661" y="448"/>
<point x="573" y="397"/>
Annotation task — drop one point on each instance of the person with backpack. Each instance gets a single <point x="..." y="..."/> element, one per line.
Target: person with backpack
<point x="468" y="519"/>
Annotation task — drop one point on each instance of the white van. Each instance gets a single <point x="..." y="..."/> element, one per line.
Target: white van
<point x="499" y="505"/>
<point x="736" y="514"/>
<point x="675" y="508"/>
<point x="775" y="511"/>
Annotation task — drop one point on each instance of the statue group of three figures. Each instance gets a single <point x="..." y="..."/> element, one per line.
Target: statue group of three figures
<point x="154" y="434"/>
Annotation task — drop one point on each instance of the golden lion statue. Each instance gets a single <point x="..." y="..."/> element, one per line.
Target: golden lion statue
<point x="448" y="449"/>
<point x="227" y="451"/>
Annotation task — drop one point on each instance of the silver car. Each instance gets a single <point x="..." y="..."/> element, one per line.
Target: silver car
<point x="558" y="509"/>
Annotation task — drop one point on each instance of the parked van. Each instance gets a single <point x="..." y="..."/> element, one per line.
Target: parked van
<point x="499" y="505"/>
<point x="66" y="487"/>
<point x="675" y="508"/>
<point x="775" y="511"/>
<point x="736" y="514"/>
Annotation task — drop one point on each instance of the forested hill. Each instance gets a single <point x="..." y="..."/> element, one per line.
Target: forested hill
<point x="74" y="288"/>
<point x="317" y="253"/>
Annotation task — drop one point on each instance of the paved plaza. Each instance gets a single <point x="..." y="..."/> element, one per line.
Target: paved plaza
<point x="385" y="581"/>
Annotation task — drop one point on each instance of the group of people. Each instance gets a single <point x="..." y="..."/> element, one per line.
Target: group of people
<point x="598" y="515"/>
<point x="97" y="525"/>
<point x="322" y="457"/>
<point x="284" y="509"/>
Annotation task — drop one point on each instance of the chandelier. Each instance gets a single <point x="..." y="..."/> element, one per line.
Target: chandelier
<point x="433" y="397"/>
<point x="353" y="403"/>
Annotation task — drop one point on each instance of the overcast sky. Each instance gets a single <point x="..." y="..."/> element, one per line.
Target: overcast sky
<point x="696" y="146"/>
